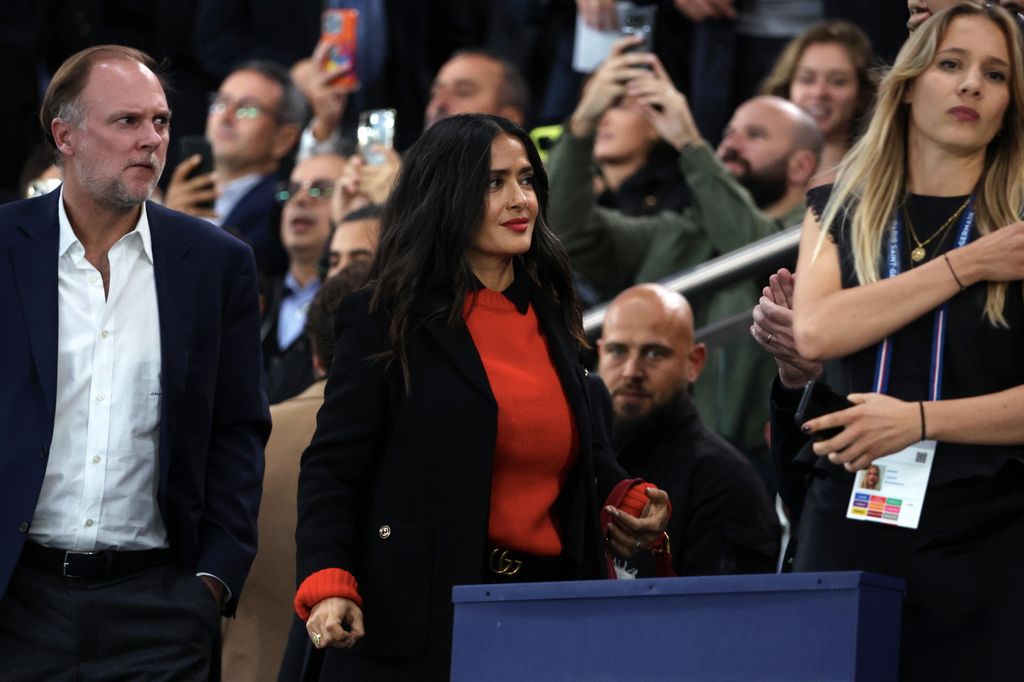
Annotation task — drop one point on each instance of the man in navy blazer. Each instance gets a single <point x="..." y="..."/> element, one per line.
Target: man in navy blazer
<point x="132" y="411"/>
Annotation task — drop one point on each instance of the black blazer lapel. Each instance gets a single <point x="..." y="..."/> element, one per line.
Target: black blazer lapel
<point x="176" y="290"/>
<point x="34" y="263"/>
<point x="458" y="345"/>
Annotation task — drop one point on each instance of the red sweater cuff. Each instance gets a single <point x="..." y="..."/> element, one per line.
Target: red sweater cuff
<point x="635" y="499"/>
<point x="324" y="584"/>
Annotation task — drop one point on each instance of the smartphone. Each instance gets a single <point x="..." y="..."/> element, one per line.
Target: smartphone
<point x="819" y="399"/>
<point x="338" y="30"/>
<point x="376" y="128"/>
<point x="190" y="145"/>
<point x="639" y="21"/>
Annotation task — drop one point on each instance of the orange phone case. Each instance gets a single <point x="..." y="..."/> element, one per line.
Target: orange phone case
<point x="339" y="32"/>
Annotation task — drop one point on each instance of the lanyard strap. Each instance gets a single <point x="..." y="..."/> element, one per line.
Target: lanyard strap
<point x="883" y="358"/>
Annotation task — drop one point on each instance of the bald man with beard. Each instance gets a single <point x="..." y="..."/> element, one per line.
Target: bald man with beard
<point x="722" y="520"/>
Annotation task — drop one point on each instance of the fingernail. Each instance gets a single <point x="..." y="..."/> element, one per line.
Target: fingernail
<point x="805" y="428"/>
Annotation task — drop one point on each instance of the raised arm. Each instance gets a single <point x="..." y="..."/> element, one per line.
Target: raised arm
<point x="831" y="322"/>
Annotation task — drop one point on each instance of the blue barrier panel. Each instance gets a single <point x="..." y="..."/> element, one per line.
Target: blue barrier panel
<point x="792" y="627"/>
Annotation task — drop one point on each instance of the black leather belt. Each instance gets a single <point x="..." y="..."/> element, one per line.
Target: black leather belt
<point x="91" y="565"/>
<point x="512" y="566"/>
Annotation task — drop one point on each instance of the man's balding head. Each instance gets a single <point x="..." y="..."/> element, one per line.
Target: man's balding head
<point x="646" y="352"/>
<point x="771" y="146"/>
<point x="477" y="82"/>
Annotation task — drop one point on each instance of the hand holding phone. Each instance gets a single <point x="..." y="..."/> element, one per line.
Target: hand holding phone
<point x="818" y="399"/>
<point x="192" y="188"/>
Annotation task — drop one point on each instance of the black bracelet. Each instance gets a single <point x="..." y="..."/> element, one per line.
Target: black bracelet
<point x="953" y="272"/>
<point x="920" y="404"/>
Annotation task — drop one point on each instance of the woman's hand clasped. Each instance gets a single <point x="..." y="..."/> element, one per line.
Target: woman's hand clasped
<point x="877" y="425"/>
<point x="335" y="622"/>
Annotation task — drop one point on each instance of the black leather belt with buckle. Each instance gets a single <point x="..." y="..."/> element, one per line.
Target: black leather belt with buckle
<point x="91" y="565"/>
<point x="508" y="564"/>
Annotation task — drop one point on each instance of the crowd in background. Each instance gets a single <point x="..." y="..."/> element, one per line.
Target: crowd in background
<point x="661" y="161"/>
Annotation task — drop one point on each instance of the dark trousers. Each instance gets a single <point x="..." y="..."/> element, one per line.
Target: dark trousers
<point x="157" y="624"/>
<point x="963" y="565"/>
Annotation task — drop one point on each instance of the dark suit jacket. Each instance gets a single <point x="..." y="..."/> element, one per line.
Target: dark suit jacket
<point x="420" y="465"/>
<point x="287" y="371"/>
<point x="256" y="218"/>
<point x="214" y="419"/>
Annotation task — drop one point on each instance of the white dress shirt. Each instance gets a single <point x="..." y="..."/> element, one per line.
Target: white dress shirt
<point x="100" y="487"/>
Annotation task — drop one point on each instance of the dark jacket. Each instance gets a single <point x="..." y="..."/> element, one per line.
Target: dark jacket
<point x="723" y="521"/>
<point x="395" y="487"/>
<point x="255" y="219"/>
<point x="288" y="371"/>
<point x="213" y="417"/>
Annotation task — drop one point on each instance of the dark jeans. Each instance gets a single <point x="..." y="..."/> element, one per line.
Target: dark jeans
<point x="157" y="624"/>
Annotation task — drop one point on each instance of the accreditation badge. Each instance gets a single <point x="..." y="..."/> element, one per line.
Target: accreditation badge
<point x="892" y="489"/>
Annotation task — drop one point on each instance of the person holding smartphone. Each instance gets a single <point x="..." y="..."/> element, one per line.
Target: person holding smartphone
<point x="910" y="272"/>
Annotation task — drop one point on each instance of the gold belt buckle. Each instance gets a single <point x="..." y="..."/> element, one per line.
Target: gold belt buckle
<point x="502" y="564"/>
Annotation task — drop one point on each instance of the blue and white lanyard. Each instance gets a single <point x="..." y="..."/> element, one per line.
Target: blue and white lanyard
<point x="883" y="360"/>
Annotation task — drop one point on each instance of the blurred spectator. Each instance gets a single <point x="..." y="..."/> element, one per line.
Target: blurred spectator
<point x="722" y="520"/>
<point x="826" y="71"/>
<point x="637" y="171"/>
<point x="472" y="81"/>
<point x="477" y="82"/>
<point x="254" y="122"/>
<point x="254" y="640"/>
<point x="305" y="229"/>
<point x="753" y="189"/>
<point x="354" y="239"/>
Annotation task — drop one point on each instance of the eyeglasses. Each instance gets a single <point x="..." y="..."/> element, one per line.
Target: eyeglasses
<point x="318" y="189"/>
<point x="245" y="109"/>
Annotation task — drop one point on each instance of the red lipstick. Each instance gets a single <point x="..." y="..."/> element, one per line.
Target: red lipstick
<point x="517" y="224"/>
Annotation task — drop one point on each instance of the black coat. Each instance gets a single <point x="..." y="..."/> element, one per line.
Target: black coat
<point x="723" y="521"/>
<point x="395" y="487"/>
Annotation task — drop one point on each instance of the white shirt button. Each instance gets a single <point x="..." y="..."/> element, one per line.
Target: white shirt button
<point x="104" y="333"/>
<point x="95" y="459"/>
<point x="88" y="523"/>
<point x="100" y="397"/>
<point x="92" y="279"/>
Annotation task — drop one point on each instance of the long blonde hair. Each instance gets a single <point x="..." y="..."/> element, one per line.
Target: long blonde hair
<point x="872" y="178"/>
<point x="835" y="32"/>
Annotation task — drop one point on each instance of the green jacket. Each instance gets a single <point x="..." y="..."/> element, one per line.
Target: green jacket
<point x="614" y="251"/>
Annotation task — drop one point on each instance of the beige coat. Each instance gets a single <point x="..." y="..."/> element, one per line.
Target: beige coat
<point x="254" y="641"/>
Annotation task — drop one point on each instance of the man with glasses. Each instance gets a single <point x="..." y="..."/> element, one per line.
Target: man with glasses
<point x="254" y="122"/>
<point x="305" y="231"/>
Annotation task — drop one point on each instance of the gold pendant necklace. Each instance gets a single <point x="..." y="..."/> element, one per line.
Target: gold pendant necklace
<point x="918" y="253"/>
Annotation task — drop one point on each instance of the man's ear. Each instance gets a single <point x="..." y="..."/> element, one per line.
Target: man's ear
<point x="286" y="137"/>
<point x="802" y="166"/>
<point x="63" y="136"/>
<point x="698" y="355"/>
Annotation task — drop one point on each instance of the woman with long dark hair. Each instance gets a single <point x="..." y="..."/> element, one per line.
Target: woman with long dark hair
<point x="909" y="276"/>
<point x="459" y="440"/>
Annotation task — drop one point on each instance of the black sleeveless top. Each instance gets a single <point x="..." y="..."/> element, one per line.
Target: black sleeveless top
<point x="979" y="358"/>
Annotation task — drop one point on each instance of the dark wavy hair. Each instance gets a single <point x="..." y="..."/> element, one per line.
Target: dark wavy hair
<point x="436" y="206"/>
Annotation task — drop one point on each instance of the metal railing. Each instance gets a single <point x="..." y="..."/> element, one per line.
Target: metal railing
<point x="768" y="254"/>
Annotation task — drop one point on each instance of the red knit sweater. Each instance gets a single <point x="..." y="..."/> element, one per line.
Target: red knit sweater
<point x="537" y="443"/>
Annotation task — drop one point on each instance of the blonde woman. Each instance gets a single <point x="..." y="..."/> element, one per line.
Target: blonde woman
<point x="826" y="71"/>
<point x="909" y="277"/>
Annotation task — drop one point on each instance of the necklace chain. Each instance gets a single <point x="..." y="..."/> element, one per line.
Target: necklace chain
<point x="918" y="253"/>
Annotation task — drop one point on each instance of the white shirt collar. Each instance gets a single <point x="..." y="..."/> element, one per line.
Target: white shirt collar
<point x="68" y="237"/>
